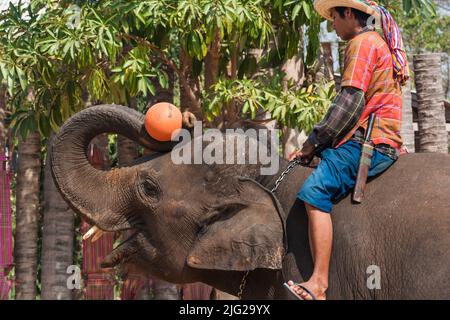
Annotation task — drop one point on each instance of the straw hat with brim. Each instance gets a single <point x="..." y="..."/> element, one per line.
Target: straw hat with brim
<point x="323" y="7"/>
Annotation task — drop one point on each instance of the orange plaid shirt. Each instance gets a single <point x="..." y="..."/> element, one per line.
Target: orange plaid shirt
<point x="368" y="66"/>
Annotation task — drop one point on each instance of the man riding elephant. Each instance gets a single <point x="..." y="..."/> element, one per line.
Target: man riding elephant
<point x="374" y="71"/>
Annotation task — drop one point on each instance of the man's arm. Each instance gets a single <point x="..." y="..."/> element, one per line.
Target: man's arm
<point x="341" y="117"/>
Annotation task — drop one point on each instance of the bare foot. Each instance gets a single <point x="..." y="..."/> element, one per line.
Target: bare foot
<point x="315" y="287"/>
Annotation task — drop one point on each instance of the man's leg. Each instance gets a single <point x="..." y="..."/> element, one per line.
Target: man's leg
<point x="332" y="179"/>
<point x="321" y="239"/>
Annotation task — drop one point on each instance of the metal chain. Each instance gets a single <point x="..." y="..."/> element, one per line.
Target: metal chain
<point x="242" y="285"/>
<point x="293" y="163"/>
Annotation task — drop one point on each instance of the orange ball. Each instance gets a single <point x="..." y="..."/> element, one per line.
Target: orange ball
<point x="161" y="120"/>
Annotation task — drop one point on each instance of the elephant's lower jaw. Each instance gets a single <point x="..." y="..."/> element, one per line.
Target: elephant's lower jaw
<point x="122" y="253"/>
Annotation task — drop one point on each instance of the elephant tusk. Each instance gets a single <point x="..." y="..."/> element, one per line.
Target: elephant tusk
<point x="93" y="232"/>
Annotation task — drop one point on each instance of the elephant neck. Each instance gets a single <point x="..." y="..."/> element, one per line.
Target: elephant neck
<point x="288" y="188"/>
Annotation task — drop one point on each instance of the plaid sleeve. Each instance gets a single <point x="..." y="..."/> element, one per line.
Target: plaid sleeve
<point x="360" y="59"/>
<point x="341" y="117"/>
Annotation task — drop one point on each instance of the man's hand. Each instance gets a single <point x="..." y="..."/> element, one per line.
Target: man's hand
<point x="306" y="154"/>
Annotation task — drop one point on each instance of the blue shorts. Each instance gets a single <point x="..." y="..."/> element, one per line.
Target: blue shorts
<point x="336" y="174"/>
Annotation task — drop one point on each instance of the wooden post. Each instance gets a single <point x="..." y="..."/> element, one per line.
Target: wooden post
<point x="407" y="131"/>
<point x="328" y="60"/>
<point x="430" y="98"/>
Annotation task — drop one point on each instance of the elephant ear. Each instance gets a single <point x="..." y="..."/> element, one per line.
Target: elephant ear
<point x="244" y="232"/>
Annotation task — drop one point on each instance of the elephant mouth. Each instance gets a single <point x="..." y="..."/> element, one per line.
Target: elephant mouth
<point x="122" y="253"/>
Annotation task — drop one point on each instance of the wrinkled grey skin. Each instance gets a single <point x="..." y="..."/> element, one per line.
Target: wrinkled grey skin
<point x="210" y="223"/>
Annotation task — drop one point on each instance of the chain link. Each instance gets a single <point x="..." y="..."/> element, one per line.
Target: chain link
<point x="242" y="285"/>
<point x="292" y="164"/>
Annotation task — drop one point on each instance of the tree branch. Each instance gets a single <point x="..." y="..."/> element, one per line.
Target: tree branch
<point x="180" y="73"/>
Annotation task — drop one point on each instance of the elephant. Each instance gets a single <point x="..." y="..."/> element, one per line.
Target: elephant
<point x="220" y="224"/>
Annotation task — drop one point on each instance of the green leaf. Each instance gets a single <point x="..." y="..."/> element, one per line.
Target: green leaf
<point x="307" y="10"/>
<point x="127" y="64"/>
<point x="67" y="47"/>
<point x="142" y="86"/>
<point x="245" y="107"/>
<point x="204" y="50"/>
<point x="430" y="8"/>
<point x="295" y="11"/>
<point x="10" y="82"/>
<point x="163" y="81"/>
<point x="56" y="119"/>
<point x="150" y="87"/>
<point x="140" y="17"/>
<point x="407" y="5"/>
<point x="31" y="123"/>
<point x="22" y="78"/>
<point x="3" y="70"/>
<point x="277" y="112"/>
<point x="116" y="69"/>
<point x="44" y="126"/>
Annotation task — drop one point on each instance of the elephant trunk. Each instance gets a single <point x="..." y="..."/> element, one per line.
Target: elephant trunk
<point x="101" y="197"/>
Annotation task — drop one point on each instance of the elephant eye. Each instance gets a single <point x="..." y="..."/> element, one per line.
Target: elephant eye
<point x="150" y="189"/>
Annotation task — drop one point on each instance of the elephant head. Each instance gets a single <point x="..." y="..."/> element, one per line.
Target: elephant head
<point x="214" y="217"/>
